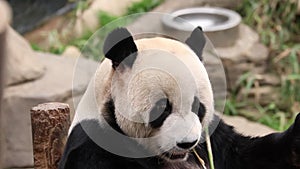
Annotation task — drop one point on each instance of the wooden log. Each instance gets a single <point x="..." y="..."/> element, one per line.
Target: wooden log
<point x="50" y="123"/>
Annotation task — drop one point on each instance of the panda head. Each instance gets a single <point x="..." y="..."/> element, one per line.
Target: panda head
<point x="159" y="89"/>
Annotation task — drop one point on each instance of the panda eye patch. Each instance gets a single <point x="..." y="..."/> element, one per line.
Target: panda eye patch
<point x="198" y="108"/>
<point x="159" y="113"/>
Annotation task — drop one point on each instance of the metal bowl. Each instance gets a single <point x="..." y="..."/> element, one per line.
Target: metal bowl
<point x="214" y="21"/>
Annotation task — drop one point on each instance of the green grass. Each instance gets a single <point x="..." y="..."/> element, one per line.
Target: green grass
<point x="36" y="47"/>
<point x="290" y="72"/>
<point x="278" y="26"/>
<point x="81" y="41"/>
<point x="105" y="18"/>
<point x="278" y="114"/>
<point x="271" y="19"/>
<point x="137" y="7"/>
<point x="56" y="44"/>
<point x="143" y="6"/>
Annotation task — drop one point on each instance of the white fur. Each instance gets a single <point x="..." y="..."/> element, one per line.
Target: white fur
<point x="155" y="74"/>
<point x="191" y="60"/>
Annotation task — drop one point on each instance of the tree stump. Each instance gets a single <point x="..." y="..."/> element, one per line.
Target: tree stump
<point x="50" y="123"/>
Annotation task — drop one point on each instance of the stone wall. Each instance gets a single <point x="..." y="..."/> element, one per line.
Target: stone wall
<point x="21" y="66"/>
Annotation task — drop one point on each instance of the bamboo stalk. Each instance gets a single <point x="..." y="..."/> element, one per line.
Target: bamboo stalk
<point x="209" y="149"/>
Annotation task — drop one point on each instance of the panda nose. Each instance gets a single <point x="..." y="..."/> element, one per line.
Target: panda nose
<point x="187" y="145"/>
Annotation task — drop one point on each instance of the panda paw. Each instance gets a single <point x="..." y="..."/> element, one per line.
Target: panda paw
<point x="295" y="142"/>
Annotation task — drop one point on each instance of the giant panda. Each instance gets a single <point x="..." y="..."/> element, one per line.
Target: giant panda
<point x="125" y="104"/>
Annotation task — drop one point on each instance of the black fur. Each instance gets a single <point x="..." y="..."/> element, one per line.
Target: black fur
<point x="198" y="108"/>
<point x="274" y="151"/>
<point x="197" y="41"/>
<point x="160" y="112"/>
<point x="118" y="45"/>
<point x="230" y="149"/>
<point x="82" y="153"/>
<point x="110" y="116"/>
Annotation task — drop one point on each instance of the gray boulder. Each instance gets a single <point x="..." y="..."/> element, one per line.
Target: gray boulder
<point x="21" y="65"/>
<point x="55" y="85"/>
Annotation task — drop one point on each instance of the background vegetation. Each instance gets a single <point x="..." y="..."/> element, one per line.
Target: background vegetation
<point x="59" y="46"/>
<point x="278" y="25"/>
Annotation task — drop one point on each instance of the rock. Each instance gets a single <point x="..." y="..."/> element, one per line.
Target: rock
<point x="224" y="38"/>
<point x="259" y="69"/>
<point x="247" y="55"/>
<point x="264" y="95"/>
<point x="257" y="53"/>
<point x="55" y="85"/>
<point x="78" y="27"/>
<point x="235" y="71"/>
<point x="251" y="113"/>
<point x="267" y="79"/>
<point x="246" y="127"/>
<point x="5" y="15"/>
<point x="237" y="53"/>
<point x="21" y="65"/>
<point x="90" y="19"/>
<point x="87" y="21"/>
<point x="71" y="51"/>
<point x="245" y="67"/>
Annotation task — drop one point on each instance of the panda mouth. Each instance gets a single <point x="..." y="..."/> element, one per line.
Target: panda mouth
<point x="175" y="156"/>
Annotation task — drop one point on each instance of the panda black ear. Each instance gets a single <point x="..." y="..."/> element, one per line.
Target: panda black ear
<point x="118" y="45"/>
<point x="196" y="41"/>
